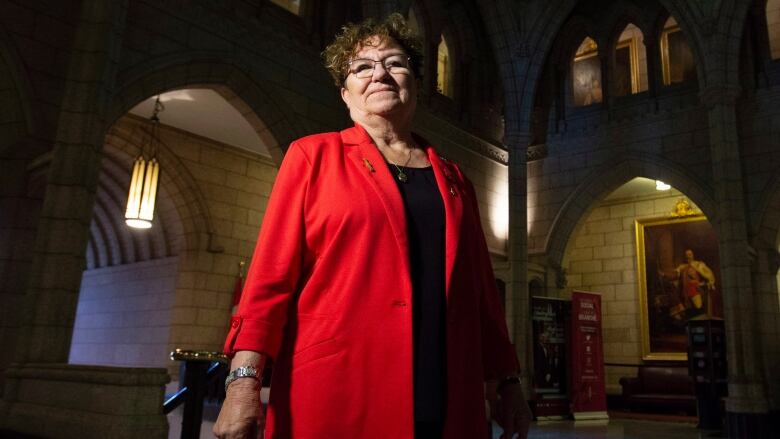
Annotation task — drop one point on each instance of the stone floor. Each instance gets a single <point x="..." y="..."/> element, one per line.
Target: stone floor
<point x="617" y="429"/>
<point x="614" y="429"/>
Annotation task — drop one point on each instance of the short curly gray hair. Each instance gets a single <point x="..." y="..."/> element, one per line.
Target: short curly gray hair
<point x="354" y="37"/>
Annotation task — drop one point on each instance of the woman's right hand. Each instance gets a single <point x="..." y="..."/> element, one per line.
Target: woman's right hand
<point x="241" y="416"/>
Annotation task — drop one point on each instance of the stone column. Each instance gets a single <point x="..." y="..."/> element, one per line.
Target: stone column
<point x="654" y="74"/>
<point x="747" y="405"/>
<point x="63" y="227"/>
<point x="44" y="396"/>
<point x="518" y="320"/>
<point x="765" y="267"/>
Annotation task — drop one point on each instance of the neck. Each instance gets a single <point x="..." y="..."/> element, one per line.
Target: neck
<point x="387" y="133"/>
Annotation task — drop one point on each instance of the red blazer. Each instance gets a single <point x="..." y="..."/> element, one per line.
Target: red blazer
<point x="329" y="297"/>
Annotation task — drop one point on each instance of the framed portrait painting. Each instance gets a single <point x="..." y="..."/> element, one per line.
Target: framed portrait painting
<point x="678" y="272"/>
<point x="586" y="78"/>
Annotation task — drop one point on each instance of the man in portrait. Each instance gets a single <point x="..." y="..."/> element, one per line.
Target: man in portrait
<point x="694" y="282"/>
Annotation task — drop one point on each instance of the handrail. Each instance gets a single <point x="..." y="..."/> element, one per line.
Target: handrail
<point x="185" y="355"/>
<point x="200" y="368"/>
<point x="177" y="398"/>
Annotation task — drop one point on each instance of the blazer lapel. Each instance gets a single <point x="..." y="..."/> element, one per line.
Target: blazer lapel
<point x="453" y="210"/>
<point x="369" y="163"/>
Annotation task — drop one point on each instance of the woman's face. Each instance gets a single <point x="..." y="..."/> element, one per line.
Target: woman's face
<point x="384" y="94"/>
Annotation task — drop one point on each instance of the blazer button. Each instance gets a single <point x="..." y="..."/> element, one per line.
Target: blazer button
<point x="235" y="321"/>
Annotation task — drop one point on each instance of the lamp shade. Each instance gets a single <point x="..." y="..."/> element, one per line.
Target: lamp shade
<point x="143" y="193"/>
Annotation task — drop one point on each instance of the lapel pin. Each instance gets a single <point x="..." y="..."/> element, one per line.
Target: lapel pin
<point x="367" y="164"/>
<point x="452" y="191"/>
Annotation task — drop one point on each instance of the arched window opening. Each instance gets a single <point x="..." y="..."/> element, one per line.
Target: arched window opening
<point x="413" y="22"/>
<point x="773" y="26"/>
<point x="676" y="56"/>
<point x="293" y="6"/>
<point x="630" y="62"/>
<point x="444" y="70"/>
<point x="586" y="74"/>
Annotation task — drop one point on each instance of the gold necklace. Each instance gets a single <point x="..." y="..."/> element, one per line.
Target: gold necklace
<point x="402" y="177"/>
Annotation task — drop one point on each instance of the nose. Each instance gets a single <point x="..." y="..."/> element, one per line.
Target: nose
<point x="379" y="71"/>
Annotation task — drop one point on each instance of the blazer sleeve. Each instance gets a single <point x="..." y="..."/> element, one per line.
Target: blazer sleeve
<point x="498" y="353"/>
<point x="276" y="262"/>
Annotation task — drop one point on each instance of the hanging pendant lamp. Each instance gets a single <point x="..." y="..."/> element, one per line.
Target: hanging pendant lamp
<point x="146" y="175"/>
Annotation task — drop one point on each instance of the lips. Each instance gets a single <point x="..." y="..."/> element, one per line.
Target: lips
<point x="382" y="89"/>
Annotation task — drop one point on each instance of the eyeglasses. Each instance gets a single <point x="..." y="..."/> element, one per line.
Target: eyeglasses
<point x="364" y="68"/>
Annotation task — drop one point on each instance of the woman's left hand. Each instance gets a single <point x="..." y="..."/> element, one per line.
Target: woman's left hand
<point x="512" y="411"/>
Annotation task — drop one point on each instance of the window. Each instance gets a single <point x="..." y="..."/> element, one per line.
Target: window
<point x="630" y="62"/>
<point x="444" y="69"/>
<point x="586" y="74"/>
<point x="293" y="6"/>
<point x="676" y="56"/>
<point x="773" y="26"/>
<point x="413" y="22"/>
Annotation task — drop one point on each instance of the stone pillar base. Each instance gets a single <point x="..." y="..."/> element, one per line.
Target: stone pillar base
<point x="73" y="401"/>
<point x="752" y="425"/>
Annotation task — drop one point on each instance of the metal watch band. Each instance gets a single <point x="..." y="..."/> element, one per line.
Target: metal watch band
<point x="241" y="372"/>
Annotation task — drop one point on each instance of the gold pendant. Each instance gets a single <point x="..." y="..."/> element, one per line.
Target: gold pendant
<point x="402" y="177"/>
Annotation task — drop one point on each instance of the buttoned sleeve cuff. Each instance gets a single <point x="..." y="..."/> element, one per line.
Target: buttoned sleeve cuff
<point x="252" y="335"/>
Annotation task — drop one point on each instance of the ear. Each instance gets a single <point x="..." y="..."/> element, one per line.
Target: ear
<point x="345" y="95"/>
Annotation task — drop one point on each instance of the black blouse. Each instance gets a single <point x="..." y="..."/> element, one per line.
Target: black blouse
<point x="425" y="225"/>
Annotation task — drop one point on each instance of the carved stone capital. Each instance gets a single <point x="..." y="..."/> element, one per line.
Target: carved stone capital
<point x="536" y="152"/>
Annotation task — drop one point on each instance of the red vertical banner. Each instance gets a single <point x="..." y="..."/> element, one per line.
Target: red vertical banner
<point x="588" y="392"/>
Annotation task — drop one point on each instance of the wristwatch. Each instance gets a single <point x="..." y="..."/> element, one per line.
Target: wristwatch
<point x="241" y="372"/>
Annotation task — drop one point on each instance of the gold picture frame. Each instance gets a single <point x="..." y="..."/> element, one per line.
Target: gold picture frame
<point x="674" y="49"/>
<point x="678" y="277"/>
<point x="633" y="56"/>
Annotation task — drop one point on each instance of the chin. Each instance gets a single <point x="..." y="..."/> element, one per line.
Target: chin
<point x="387" y="109"/>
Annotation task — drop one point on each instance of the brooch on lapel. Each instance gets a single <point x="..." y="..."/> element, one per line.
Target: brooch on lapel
<point x="448" y="176"/>
<point x="368" y="165"/>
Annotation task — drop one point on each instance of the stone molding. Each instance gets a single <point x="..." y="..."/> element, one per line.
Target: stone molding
<point x="425" y="121"/>
<point x="57" y="400"/>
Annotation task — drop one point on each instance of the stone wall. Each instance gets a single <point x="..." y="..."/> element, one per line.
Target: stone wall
<point x="124" y="313"/>
<point x="670" y="144"/>
<point x="601" y="257"/>
<point x="220" y="193"/>
<point x="489" y="176"/>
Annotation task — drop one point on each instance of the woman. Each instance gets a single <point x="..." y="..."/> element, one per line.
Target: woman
<point x="371" y="286"/>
